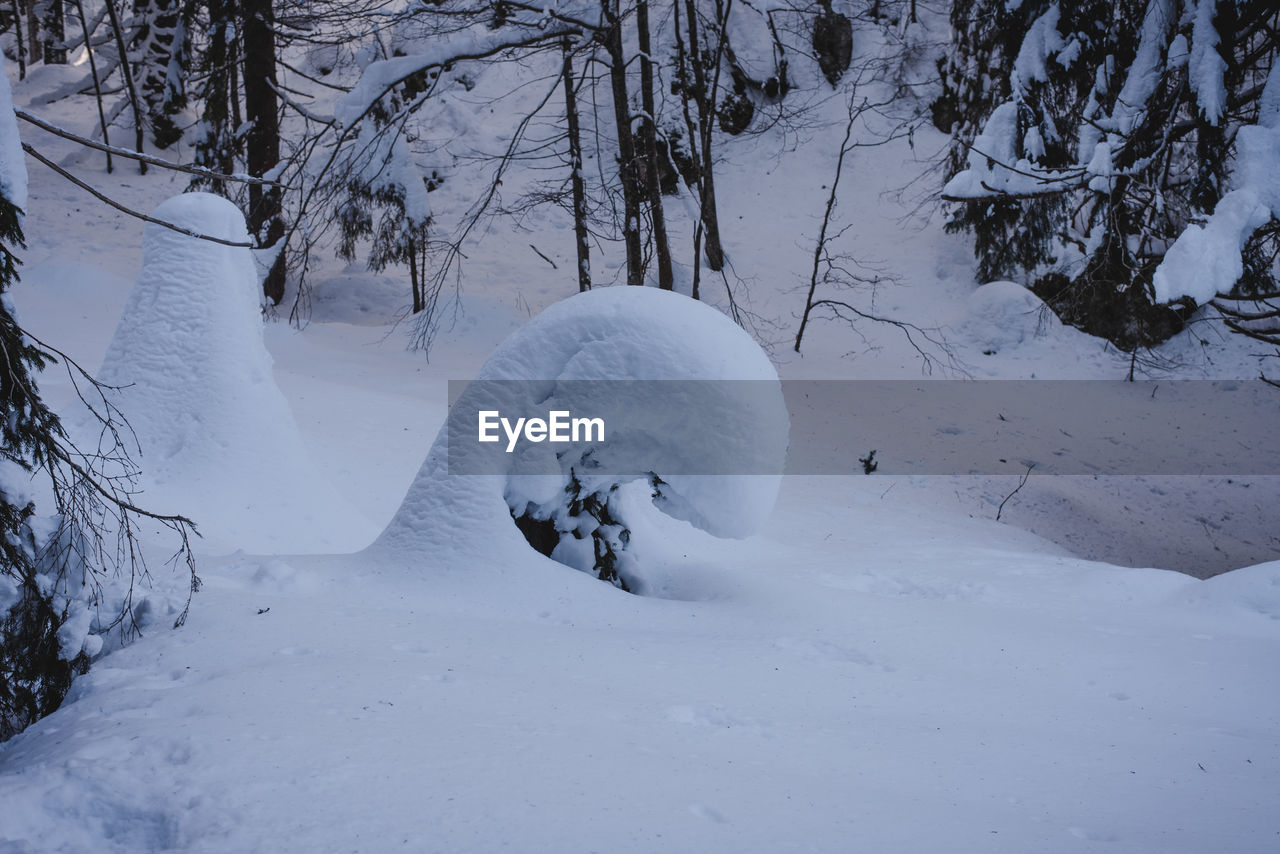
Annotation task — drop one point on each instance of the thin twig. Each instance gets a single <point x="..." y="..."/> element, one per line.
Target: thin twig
<point x="544" y="257"/>
<point x="134" y="155"/>
<point x="1021" y="484"/>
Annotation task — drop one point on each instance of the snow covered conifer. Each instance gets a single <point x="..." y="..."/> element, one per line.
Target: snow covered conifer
<point x="1010" y="234"/>
<point x="380" y="174"/>
<point x="613" y="352"/>
<point x="55" y="563"/>
<point x="33" y="676"/>
<point x="1088" y="137"/>
<point x="34" y="671"/>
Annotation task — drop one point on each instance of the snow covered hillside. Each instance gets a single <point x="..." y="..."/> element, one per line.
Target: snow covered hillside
<point x="377" y="662"/>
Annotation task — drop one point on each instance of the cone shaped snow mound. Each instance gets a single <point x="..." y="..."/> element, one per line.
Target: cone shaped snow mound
<point x="219" y="443"/>
<point x="618" y="333"/>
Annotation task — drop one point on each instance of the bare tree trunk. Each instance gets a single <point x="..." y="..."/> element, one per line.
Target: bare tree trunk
<point x="213" y="142"/>
<point x="22" y="43"/>
<point x="97" y="84"/>
<point x="820" y="249"/>
<point x="626" y="145"/>
<point x="692" y="173"/>
<point x="575" y="163"/>
<point x="33" y="31"/>
<point x="55" y="33"/>
<point x="649" y="139"/>
<point x="127" y="71"/>
<point x="706" y="123"/>
<point x="262" y="148"/>
<point x="694" y="90"/>
<point x="415" y="278"/>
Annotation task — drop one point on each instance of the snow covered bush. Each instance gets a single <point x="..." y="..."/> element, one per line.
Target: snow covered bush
<point x="1095" y="136"/>
<point x="592" y="353"/>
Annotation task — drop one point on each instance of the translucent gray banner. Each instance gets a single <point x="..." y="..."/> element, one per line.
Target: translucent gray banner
<point x="692" y="427"/>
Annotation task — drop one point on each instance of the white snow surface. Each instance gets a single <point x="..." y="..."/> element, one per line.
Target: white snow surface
<point x="882" y="667"/>
<point x="195" y="380"/>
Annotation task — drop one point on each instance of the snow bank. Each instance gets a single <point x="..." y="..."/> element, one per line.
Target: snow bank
<point x="1005" y="314"/>
<point x="13" y="164"/>
<point x="607" y="334"/>
<point x="1252" y="591"/>
<point x="219" y="443"/>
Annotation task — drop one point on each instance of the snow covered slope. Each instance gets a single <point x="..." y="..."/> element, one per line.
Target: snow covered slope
<point x="881" y="667"/>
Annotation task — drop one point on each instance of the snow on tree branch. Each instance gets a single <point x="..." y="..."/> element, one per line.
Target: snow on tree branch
<point x="1206" y="260"/>
<point x="477" y="43"/>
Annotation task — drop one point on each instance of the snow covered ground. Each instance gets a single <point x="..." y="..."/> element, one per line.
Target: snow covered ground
<point x="884" y="667"/>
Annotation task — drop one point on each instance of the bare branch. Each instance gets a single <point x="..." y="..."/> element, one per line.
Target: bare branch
<point x="134" y="155"/>
<point x="1021" y="484"/>
<point x="113" y="203"/>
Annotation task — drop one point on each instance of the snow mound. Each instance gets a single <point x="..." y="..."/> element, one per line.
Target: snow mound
<point x="219" y="443"/>
<point x="1005" y="314"/>
<point x="1253" y="590"/>
<point x="362" y="299"/>
<point x="621" y="333"/>
<point x="13" y="164"/>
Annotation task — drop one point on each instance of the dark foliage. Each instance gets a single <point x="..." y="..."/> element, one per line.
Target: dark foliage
<point x="1169" y="157"/>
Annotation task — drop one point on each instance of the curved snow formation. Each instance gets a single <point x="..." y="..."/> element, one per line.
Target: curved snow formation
<point x="219" y="443"/>
<point x="618" y="333"/>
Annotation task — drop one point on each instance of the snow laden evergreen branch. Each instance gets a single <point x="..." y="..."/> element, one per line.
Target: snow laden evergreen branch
<point x="380" y="78"/>
<point x="383" y="77"/>
<point x="1057" y="181"/>
<point x="592" y="25"/>
<point x="425" y="328"/>
<point x="27" y="147"/>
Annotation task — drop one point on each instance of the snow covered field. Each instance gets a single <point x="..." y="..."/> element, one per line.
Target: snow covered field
<point x="882" y="667"/>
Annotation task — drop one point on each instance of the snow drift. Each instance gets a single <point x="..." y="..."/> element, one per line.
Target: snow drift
<point x="194" y="380"/>
<point x="606" y="334"/>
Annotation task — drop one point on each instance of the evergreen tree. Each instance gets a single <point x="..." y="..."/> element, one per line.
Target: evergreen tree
<point x="381" y="175"/>
<point x="53" y="565"/>
<point x="34" y="676"/>
<point x="1087" y="137"/>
